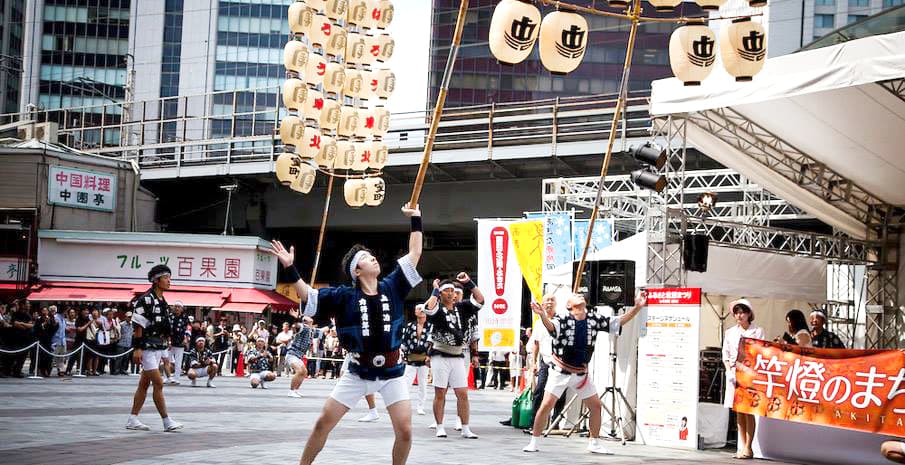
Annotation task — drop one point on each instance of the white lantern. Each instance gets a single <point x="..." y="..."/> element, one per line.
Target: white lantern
<point x="368" y="86"/>
<point x="356" y="46"/>
<point x="379" y="121"/>
<point x="372" y="50"/>
<point x="313" y="105"/>
<point x="311" y="144"/>
<point x="327" y="154"/>
<point x="300" y="18"/>
<point x="358" y="12"/>
<point x="294" y="94"/>
<point x="376" y="191"/>
<point x="292" y="131"/>
<point x="315" y="70"/>
<point x="321" y="30"/>
<point x="295" y="57"/>
<point x="316" y="5"/>
<point x="665" y="6"/>
<point x="743" y="48"/>
<point x="305" y="180"/>
<point x="513" y="31"/>
<point x="382" y="83"/>
<point x="380" y="154"/>
<point x="348" y="121"/>
<point x="345" y="155"/>
<point x="334" y="78"/>
<point x="387" y="11"/>
<point x="692" y="51"/>
<point x="365" y="125"/>
<point x="354" y="82"/>
<point x="373" y="14"/>
<point x="286" y="168"/>
<point x="330" y="115"/>
<point x="386" y="46"/>
<point x="563" y="41"/>
<point x="710" y="5"/>
<point x="355" y="192"/>
<point x="336" y="45"/>
<point x="362" y="156"/>
<point x="336" y="9"/>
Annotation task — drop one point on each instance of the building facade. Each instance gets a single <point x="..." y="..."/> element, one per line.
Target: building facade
<point x="12" y="13"/>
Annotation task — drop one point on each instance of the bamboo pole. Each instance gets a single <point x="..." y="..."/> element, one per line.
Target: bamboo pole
<point x="438" y="107"/>
<point x="634" y="15"/>
<point x="320" y="239"/>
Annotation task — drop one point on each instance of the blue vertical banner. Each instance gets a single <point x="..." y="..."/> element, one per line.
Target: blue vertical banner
<point x="557" y="237"/>
<point x="602" y="236"/>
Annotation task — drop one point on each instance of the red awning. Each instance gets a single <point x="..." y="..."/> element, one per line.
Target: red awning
<point x="82" y="294"/>
<point x="196" y="299"/>
<point x="242" y="307"/>
<point x="260" y="296"/>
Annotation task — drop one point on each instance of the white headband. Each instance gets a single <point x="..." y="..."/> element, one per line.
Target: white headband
<point x="459" y="290"/>
<point x="178" y="303"/>
<point x="160" y="275"/>
<point x="447" y="286"/>
<point x="354" y="264"/>
<point x="819" y="313"/>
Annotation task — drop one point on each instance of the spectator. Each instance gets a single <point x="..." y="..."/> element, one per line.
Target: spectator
<point x="201" y="362"/>
<point x="91" y="358"/>
<point x="45" y="328"/>
<point x="104" y="338"/>
<point x="82" y="323"/>
<point x="515" y="370"/>
<point x="221" y="341"/>
<point x="260" y="363"/>
<point x="333" y="351"/>
<point x="71" y="345"/>
<point x="18" y="336"/>
<point x="59" y="338"/>
<point x="498" y="365"/>
<point x="313" y="350"/>
<point x="282" y="343"/>
<point x="123" y="345"/>
<point x="820" y="336"/>
<point x="238" y="345"/>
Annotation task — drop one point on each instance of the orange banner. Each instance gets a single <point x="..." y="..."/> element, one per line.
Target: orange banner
<point x="862" y="390"/>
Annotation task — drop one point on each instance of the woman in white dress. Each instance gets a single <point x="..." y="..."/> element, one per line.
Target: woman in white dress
<point x="744" y="317"/>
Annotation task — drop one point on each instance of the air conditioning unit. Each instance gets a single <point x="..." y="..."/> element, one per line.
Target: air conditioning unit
<point x="46" y="132"/>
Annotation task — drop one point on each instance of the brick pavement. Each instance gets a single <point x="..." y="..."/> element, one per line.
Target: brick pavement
<point x="81" y="421"/>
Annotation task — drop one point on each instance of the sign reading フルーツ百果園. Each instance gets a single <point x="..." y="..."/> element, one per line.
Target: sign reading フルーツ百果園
<point x="72" y="187"/>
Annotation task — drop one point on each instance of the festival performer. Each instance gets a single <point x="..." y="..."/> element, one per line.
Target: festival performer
<point x="574" y="337"/>
<point x="369" y="320"/>
<point x="179" y="342"/>
<point x="260" y="363"/>
<point x="454" y="331"/>
<point x="296" y="352"/>
<point x="415" y="346"/>
<point x="150" y="339"/>
<point x="201" y="362"/>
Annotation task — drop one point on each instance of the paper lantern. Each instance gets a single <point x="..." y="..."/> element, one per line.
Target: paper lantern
<point x="665" y="6"/>
<point x="330" y="115"/>
<point x="368" y="85"/>
<point x="353" y="84"/>
<point x="380" y="154"/>
<point x="310" y="144"/>
<point x="294" y="94"/>
<point x="356" y="45"/>
<point x="327" y="154"/>
<point x="305" y="180"/>
<point x="315" y="70"/>
<point x="372" y="50"/>
<point x="382" y="83"/>
<point x="337" y="9"/>
<point x="317" y="5"/>
<point x="513" y="31"/>
<point x="365" y="125"/>
<point x="362" y="156"/>
<point x="321" y="30"/>
<point x="379" y="121"/>
<point x="386" y="46"/>
<point x="334" y="78"/>
<point x="376" y="191"/>
<point x="313" y="106"/>
<point x="300" y="18"/>
<point x="348" y="121"/>
<point x="692" y="51"/>
<point x="563" y="41"/>
<point x="743" y="48"/>
<point x="295" y="57"/>
<point x="292" y="131"/>
<point x="345" y="155"/>
<point x="710" y="5"/>
<point x="286" y="168"/>
<point x="355" y="192"/>
<point x="373" y="14"/>
<point x="387" y="12"/>
<point x="358" y="11"/>
<point x="336" y="45"/>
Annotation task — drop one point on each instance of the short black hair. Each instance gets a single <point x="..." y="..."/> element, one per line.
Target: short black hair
<point x="447" y="281"/>
<point x="347" y="258"/>
<point x="796" y="317"/>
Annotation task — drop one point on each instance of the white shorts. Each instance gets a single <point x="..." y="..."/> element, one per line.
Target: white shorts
<point x="558" y="382"/>
<point x="199" y="371"/>
<point x="290" y="359"/>
<point x="261" y="375"/>
<point x="351" y="388"/>
<point x="449" y="372"/>
<point x="150" y="359"/>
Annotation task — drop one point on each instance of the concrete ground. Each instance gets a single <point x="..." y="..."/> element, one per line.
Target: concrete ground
<point x="81" y="421"/>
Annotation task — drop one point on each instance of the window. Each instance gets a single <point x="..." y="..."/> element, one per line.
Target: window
<point x="825" y="2"/>
<point x="892" y="3"/>
<point x="855" y="18"/>
<point x="858" y="3"/>
<point x="824" y="21"/>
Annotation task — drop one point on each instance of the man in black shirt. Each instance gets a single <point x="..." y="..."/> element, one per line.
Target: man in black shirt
<point x="150" y="339"/>
<point x="201" y="362"/>
<point x="820" y="337"/>
<point x="221" y="343"/>
<point x="19" y="336"/>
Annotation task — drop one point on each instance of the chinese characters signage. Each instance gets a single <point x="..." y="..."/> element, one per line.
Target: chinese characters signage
<point x="500" y="278"/>
<point x="77" y="188"/>
<point x="861" y="390"/>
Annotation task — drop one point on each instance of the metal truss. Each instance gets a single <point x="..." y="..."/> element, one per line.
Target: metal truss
<point x="895" y="87"/>
<point x="792" y="164"/>
<point x="664" y="241"/>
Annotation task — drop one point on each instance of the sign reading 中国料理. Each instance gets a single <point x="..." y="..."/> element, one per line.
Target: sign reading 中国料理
<point x="72" y="187"/>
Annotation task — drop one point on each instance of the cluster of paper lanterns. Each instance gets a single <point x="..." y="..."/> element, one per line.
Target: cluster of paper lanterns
<point x="516" y="26"/>
<point x="336" y="91"/>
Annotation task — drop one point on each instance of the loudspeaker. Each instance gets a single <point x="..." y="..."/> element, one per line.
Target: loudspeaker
<point x="608" y="282"/>
<point x="694" y="252"/>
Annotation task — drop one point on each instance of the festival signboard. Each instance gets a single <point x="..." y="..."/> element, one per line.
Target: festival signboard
<point x="500" y="279"/>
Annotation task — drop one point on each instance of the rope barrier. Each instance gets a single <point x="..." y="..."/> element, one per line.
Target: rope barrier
<point x="61" y="355"/>
<point x="18" y="350"/>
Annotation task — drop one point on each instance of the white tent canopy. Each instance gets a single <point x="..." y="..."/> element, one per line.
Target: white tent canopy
<point x="829" y="105"/>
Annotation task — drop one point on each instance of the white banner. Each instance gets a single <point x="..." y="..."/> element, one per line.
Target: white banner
<point x="500" y="279"/>
<point x="13" y="269"/>
<point x="71" y="187"/>
<point x="668" y="368"/>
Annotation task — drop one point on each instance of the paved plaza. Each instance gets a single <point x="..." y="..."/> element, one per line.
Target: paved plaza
<point x="80" y="421"/>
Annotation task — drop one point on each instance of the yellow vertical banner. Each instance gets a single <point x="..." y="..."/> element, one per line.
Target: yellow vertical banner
<point x="528" y="243"/>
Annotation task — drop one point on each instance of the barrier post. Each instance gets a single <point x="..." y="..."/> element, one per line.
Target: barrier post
<point x="37" y="357"/>
<point x="81" y="362"/>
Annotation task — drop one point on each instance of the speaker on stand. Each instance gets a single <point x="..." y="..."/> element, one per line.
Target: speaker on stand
<point x="694" y="252"/>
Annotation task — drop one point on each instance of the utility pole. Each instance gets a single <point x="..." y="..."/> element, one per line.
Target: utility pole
<point x="229" y="188"/>
<point x="125" y="133"/>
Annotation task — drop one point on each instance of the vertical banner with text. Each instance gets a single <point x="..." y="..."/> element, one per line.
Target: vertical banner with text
<point x="500" y="279"/>
<point x="668" y="360"/>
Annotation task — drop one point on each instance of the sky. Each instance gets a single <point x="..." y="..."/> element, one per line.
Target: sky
<point x="411" y="32"/>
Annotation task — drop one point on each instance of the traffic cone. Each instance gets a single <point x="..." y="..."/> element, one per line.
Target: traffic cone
<point x="240" y="366"/>
<point x="415" y="382"/>
<point x="521" y="382"/>
<point x="471" y="384"/>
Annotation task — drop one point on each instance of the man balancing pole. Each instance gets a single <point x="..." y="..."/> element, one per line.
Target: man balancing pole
<point x="369" y="321"/>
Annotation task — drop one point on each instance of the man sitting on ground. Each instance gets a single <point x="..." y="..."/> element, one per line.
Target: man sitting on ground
<point x="201" y="362"/>
<point x="260" y="362"/>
